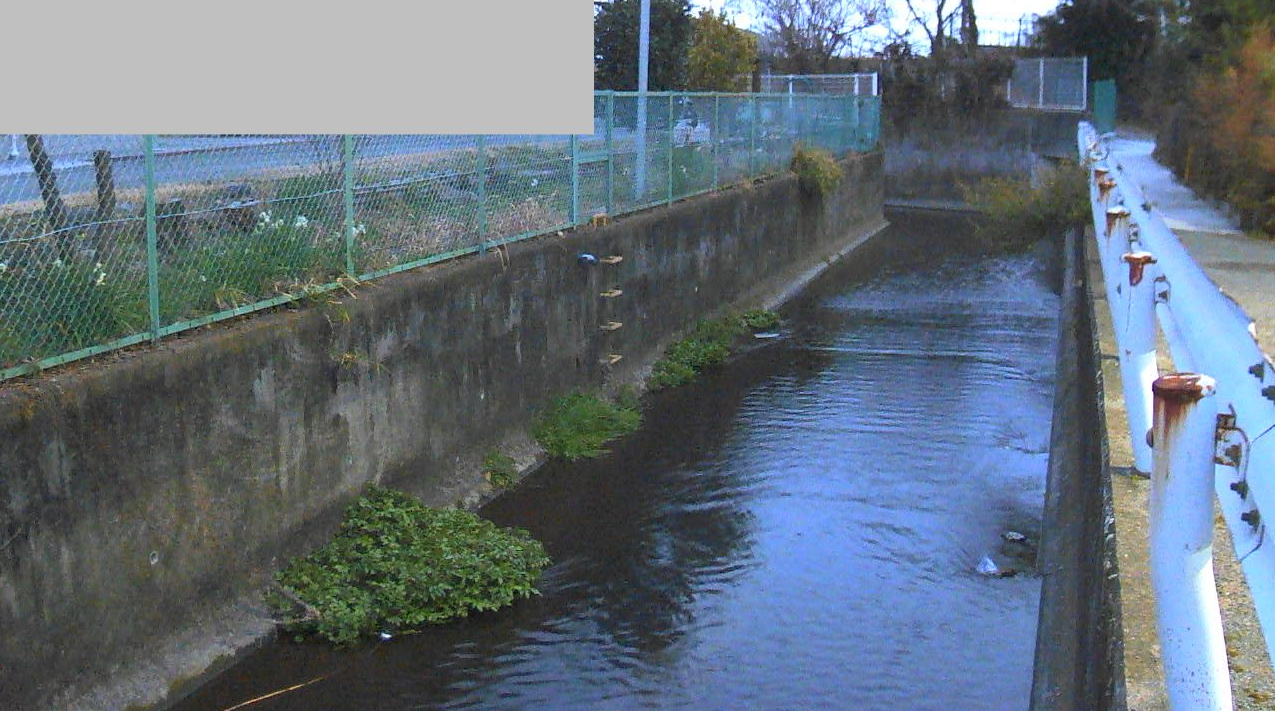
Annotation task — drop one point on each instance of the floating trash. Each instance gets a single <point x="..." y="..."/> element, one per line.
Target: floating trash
<point x="766" y="335"/>
<point x="987" y="567"/>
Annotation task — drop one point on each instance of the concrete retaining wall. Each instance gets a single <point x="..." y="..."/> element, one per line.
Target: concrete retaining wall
<point x="935" y="164"/>
<point x="138" y="495"/>
<point x="1079" y="648"/>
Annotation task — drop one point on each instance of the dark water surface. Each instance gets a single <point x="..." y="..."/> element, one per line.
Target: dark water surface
<point x="797" y="531"/>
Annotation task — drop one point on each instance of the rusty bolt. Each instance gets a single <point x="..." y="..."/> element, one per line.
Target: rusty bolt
<point x="1118" y="212"/>
<point x="1240" y="487"/>
<point x="1137" y="262"/>
<point x="1151" y="438"/>
<point x="1104" y="187"/>
<point x="1252" y="518"/>
<point x="1183" y="387"/>
<point x="1099" y="172"/>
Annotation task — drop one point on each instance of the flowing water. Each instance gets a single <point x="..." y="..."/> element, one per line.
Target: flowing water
<point x="798" y="530"/>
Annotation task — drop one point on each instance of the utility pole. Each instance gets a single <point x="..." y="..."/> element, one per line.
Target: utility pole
<point x="644" y="42"/>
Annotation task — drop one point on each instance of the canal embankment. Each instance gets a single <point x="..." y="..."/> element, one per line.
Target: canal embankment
<point x="148" y="496"/>
<point x="800" y="527"/>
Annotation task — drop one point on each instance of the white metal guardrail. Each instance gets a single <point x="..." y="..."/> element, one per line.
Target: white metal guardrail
<point x="1210" y="427"/>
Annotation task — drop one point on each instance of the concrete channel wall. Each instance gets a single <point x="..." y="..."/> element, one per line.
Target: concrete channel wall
<point x="935" y="165"/>
<point x="139" y="493"/>
<point x="1079" y="649"/>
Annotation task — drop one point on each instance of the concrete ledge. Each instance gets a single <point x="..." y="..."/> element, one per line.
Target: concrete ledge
<point x="1079" y="648"/>
<point x="141" y="495"/>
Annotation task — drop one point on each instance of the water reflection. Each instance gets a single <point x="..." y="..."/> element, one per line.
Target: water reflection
<point x="797" y="531"/>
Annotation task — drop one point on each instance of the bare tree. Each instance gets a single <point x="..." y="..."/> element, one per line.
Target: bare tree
<point x="969" y="28"/>
<point x="942" y="22"/>
<point x="804" y="35"/>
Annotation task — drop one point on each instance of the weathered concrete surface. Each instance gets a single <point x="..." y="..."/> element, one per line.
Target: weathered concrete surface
<point x="932" y="167"/>
<point x="1244" y="267"/>
<point x="1079" y="653"/>
<point x="141" y="496"/>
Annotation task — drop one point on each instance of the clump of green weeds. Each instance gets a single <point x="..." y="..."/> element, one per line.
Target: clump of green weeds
<point x="760" y="319"/>
<point x="707" y="345"/>
<point x="500" y="469"/>
<point x="579" y="424"/>
<point x="817" y="171"/>
<point x="1020" y="211"/>
<point x="397" y="565"/>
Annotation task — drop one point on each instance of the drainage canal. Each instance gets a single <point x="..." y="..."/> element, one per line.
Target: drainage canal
<point x="801" y="529"/>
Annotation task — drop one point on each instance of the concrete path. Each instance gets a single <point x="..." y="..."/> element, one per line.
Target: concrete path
<point x="1244" y="267"/>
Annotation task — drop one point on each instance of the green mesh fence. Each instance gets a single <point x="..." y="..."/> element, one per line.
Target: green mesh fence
<point x="110" y="240"/>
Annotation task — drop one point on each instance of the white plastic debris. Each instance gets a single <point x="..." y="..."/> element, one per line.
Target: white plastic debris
<point x="987" y="566"/>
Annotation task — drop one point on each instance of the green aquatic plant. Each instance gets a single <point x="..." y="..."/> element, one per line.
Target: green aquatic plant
<point x="707" y="345"/>
<point x="500" y="469"/>
<point x="760" y="319"/>
<point x="579" y="424"/>
<point x="396" y="565"/>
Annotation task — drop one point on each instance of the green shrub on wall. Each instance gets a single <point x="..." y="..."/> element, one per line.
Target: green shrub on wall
<point x="1019" y="211"/>
<point x="817" y="171"/>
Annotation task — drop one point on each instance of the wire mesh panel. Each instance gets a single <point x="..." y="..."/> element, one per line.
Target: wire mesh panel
<point x="111" y="240"/>
<point x="413" y="197"/>
<point x="72" y="246"/>
<point x="863" y="84"/>
<point x="1049" y="83"/>
<point x="246" y="224"/>
<point x="732" y="137"/>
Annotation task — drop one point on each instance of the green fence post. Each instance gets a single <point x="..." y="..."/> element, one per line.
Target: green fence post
<point x="575" y="180"/>
<point x="670" y="150"/>
<point x="481" y="140"/>
<point x="610" y="153"/>
<point x="152" y="239"/>
<point x="752" y="136"/>
<point x="712" y="138"/>
<point x="855" y="124"/>
<point x="347" y="193"/>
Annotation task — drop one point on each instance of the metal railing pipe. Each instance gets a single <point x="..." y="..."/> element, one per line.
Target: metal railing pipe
<point x="1181" y="528"/>
<point x="1138" y="368"/>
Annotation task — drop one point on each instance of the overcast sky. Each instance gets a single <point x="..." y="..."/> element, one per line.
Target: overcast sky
<point x="995" y="17"/>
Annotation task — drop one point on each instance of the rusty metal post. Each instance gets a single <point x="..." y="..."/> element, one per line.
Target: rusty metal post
<point x="1181" y="529"/>
<point x="1112" y="243"/>
<point x="1138" y="369"/>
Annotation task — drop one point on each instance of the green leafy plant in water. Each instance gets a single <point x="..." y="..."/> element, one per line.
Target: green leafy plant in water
<point x="707" y="345"/>
<point x="396" y="565"/>
<point x="817" y="171"/>
<point x="500" y="469"/>
<point x="1020" y="212"/>
<point x="579" y="424"/>
<point x="760" y="319"/>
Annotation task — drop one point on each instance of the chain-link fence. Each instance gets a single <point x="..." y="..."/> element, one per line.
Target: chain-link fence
<point x="864" y="84"/>
<point x="107" y="241"/>
<point x="1059" y="83"/>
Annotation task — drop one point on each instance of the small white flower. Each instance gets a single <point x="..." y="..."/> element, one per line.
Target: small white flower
<point x="57" y="263"/>
<point x="265" y="216"/>
<point x="101" y="279"/>
<point x="4" y="267"/>
<point x="203" y="279"/>
<point x="300" y="222"/>
<point x="99" y="266"/>
<point x="535" y="182"/>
